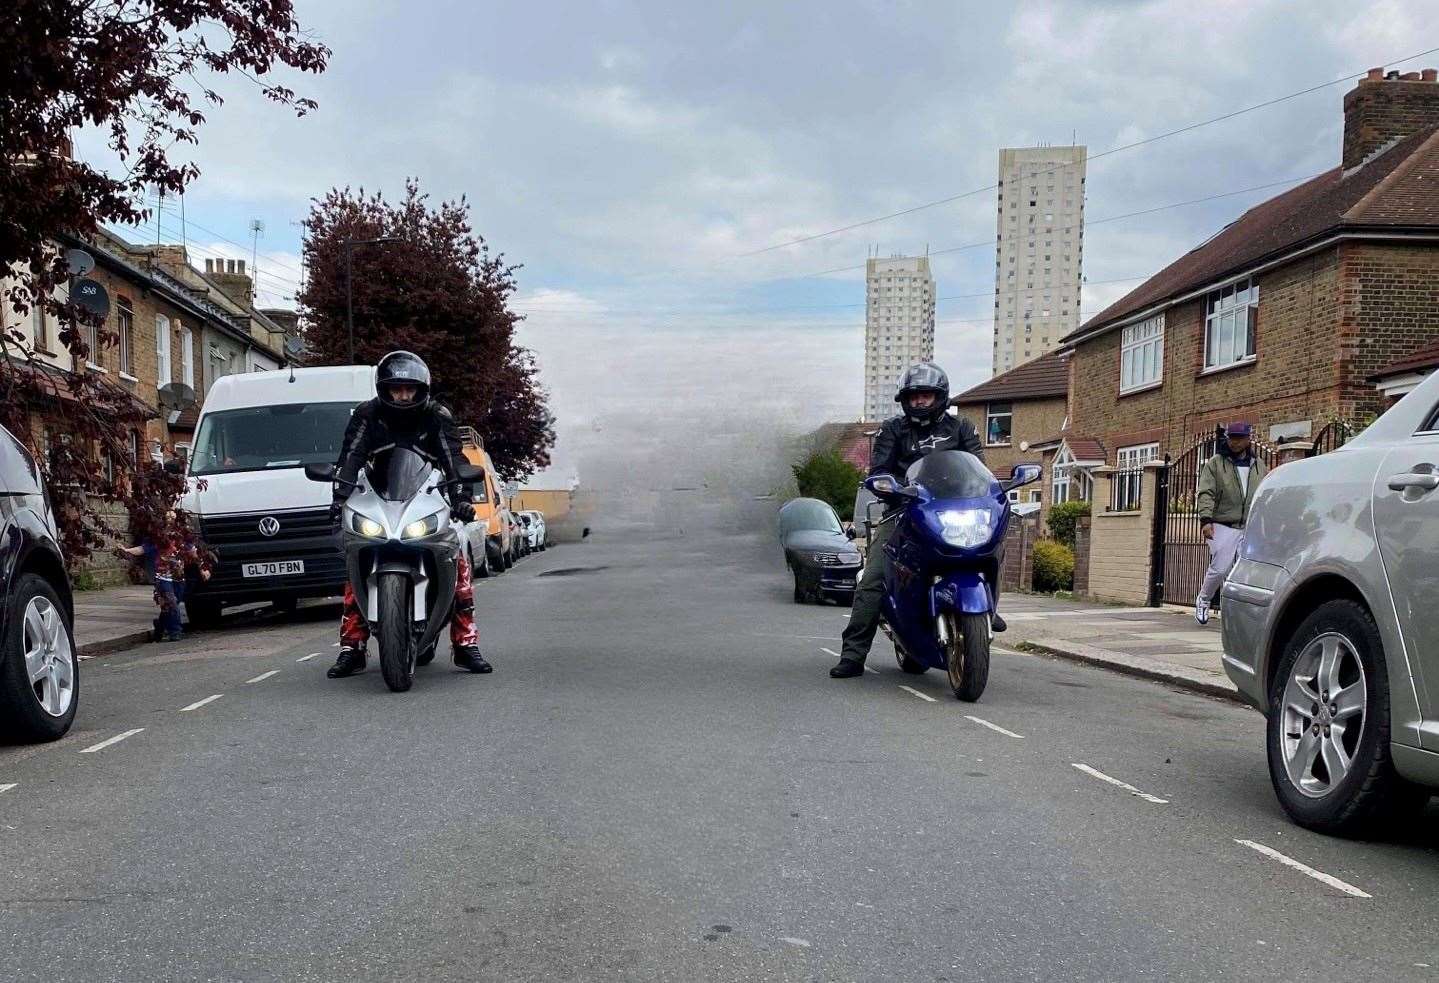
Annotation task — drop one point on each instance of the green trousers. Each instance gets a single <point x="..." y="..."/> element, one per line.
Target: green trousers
<point x="864" y="615"/>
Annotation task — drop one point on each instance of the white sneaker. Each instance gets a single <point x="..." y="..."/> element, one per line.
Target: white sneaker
<point x="1201" y="609"/>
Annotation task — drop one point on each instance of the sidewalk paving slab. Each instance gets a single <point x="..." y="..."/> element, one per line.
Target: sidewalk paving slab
<point x="113" y="619"/>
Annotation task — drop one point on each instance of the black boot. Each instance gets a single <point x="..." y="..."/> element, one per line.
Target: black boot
<point x="846" y="668"/>
<point x="350" y="661"/>
<point x="468" y="657"/>
<point x="996" y="623"/>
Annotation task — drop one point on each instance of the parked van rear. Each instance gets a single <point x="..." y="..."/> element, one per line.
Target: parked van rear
<point x="268" y="523"/>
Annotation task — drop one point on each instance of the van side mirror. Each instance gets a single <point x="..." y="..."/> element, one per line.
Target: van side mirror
<point x="320" y="472"/>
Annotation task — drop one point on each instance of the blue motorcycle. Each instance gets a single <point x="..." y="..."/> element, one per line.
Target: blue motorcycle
<point x="943" y="572"/>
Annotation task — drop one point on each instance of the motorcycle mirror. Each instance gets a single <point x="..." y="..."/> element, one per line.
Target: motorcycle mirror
<point x="881" y="485"/>
<point x="469" y="472"/>
<point x="1023" y="474"/>
<point x="320" y="472"/>
<point x="851" y="534"/>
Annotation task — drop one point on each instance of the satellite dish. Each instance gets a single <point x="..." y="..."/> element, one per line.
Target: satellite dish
<point x="90" y="296"/>
<point x="294" y="346"/>
<point x="176" y="397"/>
<point x="79" y="262"/>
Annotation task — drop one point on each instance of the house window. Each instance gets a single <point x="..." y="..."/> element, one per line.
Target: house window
<point x="1128" y="481"/>
<point x="162" y="350"/>
<point x="187" y="356"/>
<point x="999" y="418"/>
<point x="134" y="447"/>
<point x="1142" y="354"/>
<point x="1229" y="324"/>
<point x="40" y="326"/>
<point x="125" y="327"/>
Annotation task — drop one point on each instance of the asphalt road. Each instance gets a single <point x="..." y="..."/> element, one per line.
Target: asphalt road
<point x="660" y="782"/>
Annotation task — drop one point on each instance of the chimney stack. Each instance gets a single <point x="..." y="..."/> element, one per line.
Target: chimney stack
<point x="230" y="276"/>
<point x="1384" y="108"/>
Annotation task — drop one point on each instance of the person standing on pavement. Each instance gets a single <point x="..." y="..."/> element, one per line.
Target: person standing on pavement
<point x="924" y="427"/>
<point x="1227" y="484"/>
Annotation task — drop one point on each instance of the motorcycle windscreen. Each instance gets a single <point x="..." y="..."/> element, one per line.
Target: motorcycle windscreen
<point x="398" y="473"/>
<point x="953" y="474"/>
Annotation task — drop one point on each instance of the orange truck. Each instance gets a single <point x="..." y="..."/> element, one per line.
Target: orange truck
<point x="491" y="542"/>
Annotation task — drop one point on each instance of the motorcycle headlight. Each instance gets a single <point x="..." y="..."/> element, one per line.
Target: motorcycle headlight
<point x="367" y="527"/>
<point x="966" y="528"/>
<point x="421" y="528"/>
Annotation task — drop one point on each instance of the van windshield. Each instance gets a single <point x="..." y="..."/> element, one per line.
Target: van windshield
<point x="263" y="438"/>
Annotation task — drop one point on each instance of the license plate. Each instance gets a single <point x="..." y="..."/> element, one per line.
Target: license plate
<point x="276" y="568"/>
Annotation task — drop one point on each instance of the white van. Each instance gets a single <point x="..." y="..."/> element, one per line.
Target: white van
<point x="268" y="523"/>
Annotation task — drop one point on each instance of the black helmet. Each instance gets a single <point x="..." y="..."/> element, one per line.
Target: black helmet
<point x="403" y="368"/>
<point x="926" y="377"/>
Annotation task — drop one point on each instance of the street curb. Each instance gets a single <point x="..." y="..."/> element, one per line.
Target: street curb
<point x="1194" y="680"/>
<point x="110" y="646"/>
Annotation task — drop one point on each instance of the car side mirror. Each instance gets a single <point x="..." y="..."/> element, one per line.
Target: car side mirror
<point x="320" y="472"/>
<point x="1023" y="474"/>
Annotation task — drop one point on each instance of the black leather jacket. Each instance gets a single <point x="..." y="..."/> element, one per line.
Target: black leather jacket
<point x="431" y="430"/>
<point x="901" y="442"/>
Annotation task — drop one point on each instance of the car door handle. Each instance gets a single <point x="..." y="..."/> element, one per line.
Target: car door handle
<point x="1413" y="479"/>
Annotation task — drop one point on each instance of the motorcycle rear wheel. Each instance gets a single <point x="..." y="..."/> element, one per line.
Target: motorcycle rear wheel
<point x="967" y="655"/>
<point x="397" y="641"/>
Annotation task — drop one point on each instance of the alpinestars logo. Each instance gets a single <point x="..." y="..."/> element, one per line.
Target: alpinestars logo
<point x="928" y="444"/>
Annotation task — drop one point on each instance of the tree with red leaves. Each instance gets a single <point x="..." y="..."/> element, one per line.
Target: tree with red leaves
<point x="433" y="288"/>
<point x="131" y="69"/>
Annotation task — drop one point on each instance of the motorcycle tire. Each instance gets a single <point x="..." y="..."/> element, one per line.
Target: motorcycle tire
<point x="968" y="655"/>
<point x="397" y="640"/>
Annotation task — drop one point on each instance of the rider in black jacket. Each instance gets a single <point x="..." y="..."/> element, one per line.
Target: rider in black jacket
<point x="402" y="412"/>
<point x="924" y="427"/>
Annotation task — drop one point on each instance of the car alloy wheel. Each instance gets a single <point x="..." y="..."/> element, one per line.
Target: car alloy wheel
<point x="49" y="659"/>
<point x="1324" y="711"/>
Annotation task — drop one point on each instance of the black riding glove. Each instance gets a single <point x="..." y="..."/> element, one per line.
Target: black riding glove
<point x="336" y="505"/>
<point x="464" y="511"/>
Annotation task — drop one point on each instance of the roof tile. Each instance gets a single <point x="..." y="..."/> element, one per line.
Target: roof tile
<point x="1043" y="378"/>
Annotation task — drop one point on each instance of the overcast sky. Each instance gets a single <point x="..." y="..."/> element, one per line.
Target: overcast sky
<point x="628" y="154"/>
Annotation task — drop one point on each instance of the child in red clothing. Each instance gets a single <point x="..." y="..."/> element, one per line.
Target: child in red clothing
<point x="169" y="554"/>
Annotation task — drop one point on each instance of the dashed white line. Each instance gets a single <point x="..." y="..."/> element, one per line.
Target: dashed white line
<point x="1095" y="772"/>
<point x="1318" y="875"/>
<point x="199" y="703"/>
<point x="110" y="740"/>
<point x="837" y="655"/>
<point x="922" y="696"/>
<point x="307" y="658"/>
<point x="994" y="727"/>
<point x="8" y="786"/>
<point x="263" y="676"/>
<point x="791" y="940"/>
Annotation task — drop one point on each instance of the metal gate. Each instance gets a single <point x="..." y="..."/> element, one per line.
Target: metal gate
<point x="1180" y="554"/>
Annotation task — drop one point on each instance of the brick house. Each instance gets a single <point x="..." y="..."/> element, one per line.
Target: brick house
<point x="1400" y="377"/>
<point x="1283" y="318"/>
<point x="851" y="440"/>
<point x="1017" y="413"/>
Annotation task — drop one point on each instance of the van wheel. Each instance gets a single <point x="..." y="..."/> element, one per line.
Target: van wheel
<point x="203" y="614"/>
<point x="39" y="674"/>
<point x="1327" y="736"/>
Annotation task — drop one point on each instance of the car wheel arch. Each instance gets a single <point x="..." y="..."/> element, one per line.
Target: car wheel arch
<point x="1298" y="605"/>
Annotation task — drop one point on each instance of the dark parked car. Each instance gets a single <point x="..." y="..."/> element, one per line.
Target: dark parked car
<point x="39" y="674"/>
<point x="818" y="550"/>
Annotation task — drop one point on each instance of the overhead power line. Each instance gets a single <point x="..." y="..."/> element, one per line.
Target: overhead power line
<point x="1088" y="158"/>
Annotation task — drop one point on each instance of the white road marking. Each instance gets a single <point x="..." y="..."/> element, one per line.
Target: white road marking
<point x="994" y="727"/>
<point x="110" y="740"/>
<point x="1318" y="875"/>
<point x="334" y="645"/>
<point x="199" y="703"/>
<point x="263" y="676"/>
<point x="794" y="941"/>
<point x="1117" y="783"/>
<point x="308" y="657"/>
<point x="922" y="696"/>
<point x="7" y="787"/>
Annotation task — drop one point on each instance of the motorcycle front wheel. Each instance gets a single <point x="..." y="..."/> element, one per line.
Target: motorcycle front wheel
<point x="397" y="641"/>
<point x="967" y="654"/>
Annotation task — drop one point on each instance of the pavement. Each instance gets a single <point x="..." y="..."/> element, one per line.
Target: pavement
<point x="661" y="782"/>
<point x="119" y="618"/>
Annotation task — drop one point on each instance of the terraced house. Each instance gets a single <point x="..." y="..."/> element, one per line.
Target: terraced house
<point x="1286" y="318"/>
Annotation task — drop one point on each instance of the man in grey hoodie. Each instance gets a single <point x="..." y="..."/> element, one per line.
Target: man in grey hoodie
<point x="1227" y="484"/>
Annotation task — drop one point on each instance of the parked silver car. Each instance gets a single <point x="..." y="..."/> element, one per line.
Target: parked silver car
<point x="1331" y="622"/>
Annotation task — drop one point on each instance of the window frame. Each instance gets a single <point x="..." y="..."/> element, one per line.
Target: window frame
<point x="1137" y="340"/>
<point x="125" y="329"/>
<point x="164" y="369"/>
<point x="1129" y="462"/>
<point x="1228" y="302"/>
<point x="990" y="416"/>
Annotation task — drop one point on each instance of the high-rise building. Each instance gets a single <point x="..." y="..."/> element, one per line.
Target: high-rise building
<point x="1039" y="251"/>
<point x="898" y="327"/>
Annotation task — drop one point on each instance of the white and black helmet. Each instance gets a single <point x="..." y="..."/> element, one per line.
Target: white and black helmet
<point x="926" y="377"/>
<point x="403" y="369"/>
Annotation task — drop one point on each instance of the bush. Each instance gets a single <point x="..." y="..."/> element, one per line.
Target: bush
<point x="827" y="476"/>
<point x="1053" y="566"/>
<point x="1064" y="519"/>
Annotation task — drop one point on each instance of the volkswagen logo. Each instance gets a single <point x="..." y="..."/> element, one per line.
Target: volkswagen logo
<point x="269" y="525"/>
